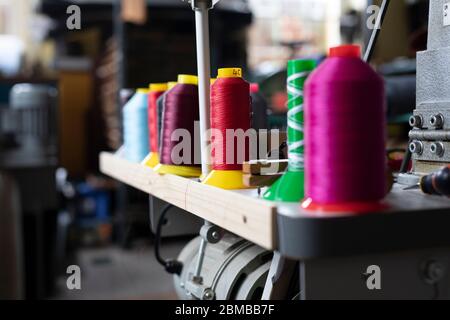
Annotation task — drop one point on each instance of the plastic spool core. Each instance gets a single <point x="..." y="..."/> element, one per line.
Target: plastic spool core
<point x="143" y="91"/>
<point x="171" y="85"/>
<point x="158" y="87"/>
<point x="229" y="73"/>
<point x="347" y="51"/>
<point x="188" y="79"/>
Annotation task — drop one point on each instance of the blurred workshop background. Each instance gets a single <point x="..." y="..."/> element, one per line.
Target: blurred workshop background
<point x="62" y="86"/>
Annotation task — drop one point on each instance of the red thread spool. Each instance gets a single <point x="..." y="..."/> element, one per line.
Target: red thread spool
<point x="181" y="111"/>
<point x="230" y="109"/>
<point x="156" y="91"/>
<point x="345" y="135"/>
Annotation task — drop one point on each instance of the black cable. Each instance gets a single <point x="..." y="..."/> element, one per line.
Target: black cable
<point x="406" y="160"/>
<point x="283" y="146"/>
<point x="171" y="266"/>
<point x="281" y="154"/>
<point x="390" y="151"/>
<point x="161" y="222"/>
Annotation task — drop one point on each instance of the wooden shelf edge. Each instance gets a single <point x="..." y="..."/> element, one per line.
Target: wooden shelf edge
<point x="238" y="212"/>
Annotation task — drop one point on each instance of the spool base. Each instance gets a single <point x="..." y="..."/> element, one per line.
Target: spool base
<point x="355" y="208"/>
<point x="152" y="160"/>
<point x="182" y="171"/>
<point x="289" y="188"/>
<point x="228" y="180"/>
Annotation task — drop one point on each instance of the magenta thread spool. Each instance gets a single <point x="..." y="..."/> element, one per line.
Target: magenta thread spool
<point x="345" y="135"/>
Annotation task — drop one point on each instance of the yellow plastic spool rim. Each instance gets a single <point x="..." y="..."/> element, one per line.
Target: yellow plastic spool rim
<point x="182" y="171"/>
<point x="142" y="91"/>
<point x="230" y="73"/>
<point x="172" y="84"/>
<point x="152" y="160"/>
<point x="228" y="180"/>
<point x="158" y="87"/>
<point x="187" y="79"/>
<point x="213" y="80"/>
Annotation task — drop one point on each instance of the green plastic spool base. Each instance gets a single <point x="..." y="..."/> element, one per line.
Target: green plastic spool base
<point x="289" y="188"/>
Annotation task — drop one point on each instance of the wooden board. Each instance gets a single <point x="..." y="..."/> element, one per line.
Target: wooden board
<point x="240" y="212"/>
<point x="265" y="167"/>
<point x="260" y="181"/>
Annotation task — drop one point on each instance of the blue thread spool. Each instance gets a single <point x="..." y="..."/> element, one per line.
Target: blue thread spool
<point x="135" y="127"/>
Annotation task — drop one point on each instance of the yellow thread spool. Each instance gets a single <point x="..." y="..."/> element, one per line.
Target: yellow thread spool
<point x="229" y="73"/>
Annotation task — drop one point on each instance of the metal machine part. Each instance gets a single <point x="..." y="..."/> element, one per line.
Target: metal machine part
<point x="406" y="179"/>
<point x="209" y="234"/>
<point x="423" y="219"/>
<point x="201" y="9"/>
<point x="28" y="130"/>
<point x="232" y="269"/>
<point x="420" y="274"/>
<point x="279" y="281"/>
<point x="33" y="110"/>
<point x="431" y="120"/>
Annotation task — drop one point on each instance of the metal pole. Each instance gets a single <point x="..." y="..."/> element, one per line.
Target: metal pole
<point x="200" y="258"/>
<point x="201" y="8"/>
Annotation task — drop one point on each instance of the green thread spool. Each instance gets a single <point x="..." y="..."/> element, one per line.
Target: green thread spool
<point x="291" y="186"/>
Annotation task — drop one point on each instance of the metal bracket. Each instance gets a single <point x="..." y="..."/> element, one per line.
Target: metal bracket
<point x="210" y="234"/>
<point x="199" y="291"/>
<point x="200" y="4"/>
<point x="279" y="278"/>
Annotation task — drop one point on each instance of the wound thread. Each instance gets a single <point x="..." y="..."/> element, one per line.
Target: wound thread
<point x="230" y="110"/>
<point x="345" y="133"/>
<point x="135" y="127"/>
<point x="181" y="111"/>
<point x="156" y="91"/>
<point x="298" y="71"/>
<point x="291" y="186"/>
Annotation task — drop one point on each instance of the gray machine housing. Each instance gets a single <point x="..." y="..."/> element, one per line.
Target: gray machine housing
<point x="179" y="222"/>
<point x="431" y="121"/>
<point x="233" y="269"/>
